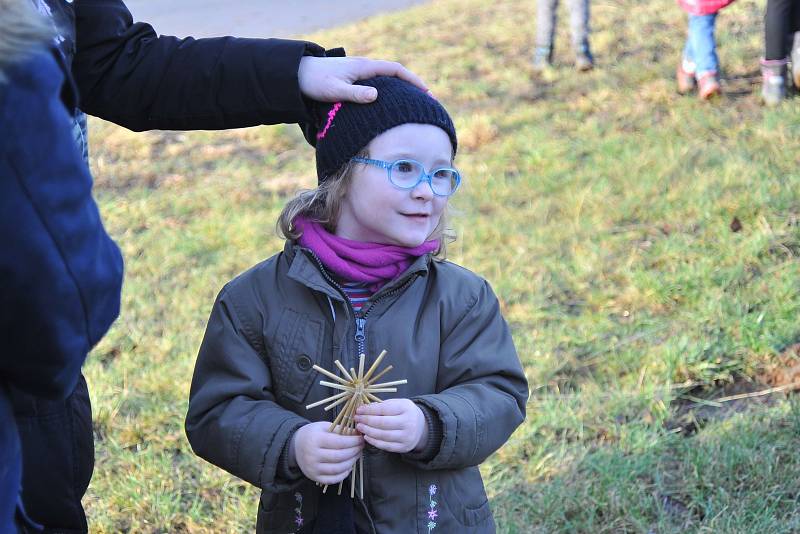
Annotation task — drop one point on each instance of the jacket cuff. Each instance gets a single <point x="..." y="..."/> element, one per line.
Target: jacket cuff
<point x="435" y="435"/>
<point x="288" y="471"/>
<point x="282" y="71"/>
<point x="268" y="475"/>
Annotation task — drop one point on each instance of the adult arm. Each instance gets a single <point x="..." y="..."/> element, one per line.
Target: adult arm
<point x="60" y="272"/>
<point x="233" y="420"/>
<point x="129" y="75"/>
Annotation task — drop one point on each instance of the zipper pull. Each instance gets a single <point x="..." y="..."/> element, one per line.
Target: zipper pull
<point x="360" y="324"/>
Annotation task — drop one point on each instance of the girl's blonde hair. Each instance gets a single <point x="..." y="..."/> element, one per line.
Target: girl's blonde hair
<point x="23" y="31"/>
<point x="323" y="205"/>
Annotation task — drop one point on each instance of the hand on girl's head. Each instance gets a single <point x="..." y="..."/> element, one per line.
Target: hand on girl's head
<point x="394" y="425"/>
<point x="331" y="79"/>
<point x="323" y="456"/>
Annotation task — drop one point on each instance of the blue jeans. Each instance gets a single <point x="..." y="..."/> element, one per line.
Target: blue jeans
<point x="701" y="49"/>
<point x="80" y="132"/>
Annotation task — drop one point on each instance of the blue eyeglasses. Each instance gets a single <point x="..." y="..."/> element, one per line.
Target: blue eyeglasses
<point x="407" y="174"/>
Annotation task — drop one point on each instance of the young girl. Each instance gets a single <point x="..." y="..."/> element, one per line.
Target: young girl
<point x="357" y="275"/>
<point x="700" y="64"/>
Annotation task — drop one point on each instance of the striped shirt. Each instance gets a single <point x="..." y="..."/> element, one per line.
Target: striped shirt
<point x="358" y="292"/>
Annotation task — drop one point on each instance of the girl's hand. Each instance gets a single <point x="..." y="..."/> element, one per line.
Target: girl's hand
<point x="323" y="456"/>
<point x="394" y="425"/>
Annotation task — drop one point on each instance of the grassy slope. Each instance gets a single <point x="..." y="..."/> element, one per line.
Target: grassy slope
<point x="598" y="205"/>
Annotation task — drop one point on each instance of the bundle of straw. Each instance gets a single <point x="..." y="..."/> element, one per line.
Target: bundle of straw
<point x="356" y="389"/>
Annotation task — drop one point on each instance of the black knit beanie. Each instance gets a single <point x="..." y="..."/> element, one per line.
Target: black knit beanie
<point x="341" y="130"/>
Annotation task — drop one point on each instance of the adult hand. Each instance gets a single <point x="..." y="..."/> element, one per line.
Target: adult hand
<point x="323" y="456"/>
<point x="394" y="425"/>
<point x="330" y="79"/>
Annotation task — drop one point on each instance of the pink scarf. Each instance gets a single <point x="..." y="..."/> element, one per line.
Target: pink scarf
<point x="372" y="263"/>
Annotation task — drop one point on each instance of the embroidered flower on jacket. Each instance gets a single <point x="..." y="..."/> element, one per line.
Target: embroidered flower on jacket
<point x="433" y="513"/>
<point x="298" y="511"/>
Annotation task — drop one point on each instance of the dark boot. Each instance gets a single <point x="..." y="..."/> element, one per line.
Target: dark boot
<point x="773" y="76"/>
<point x="583" y="58"/>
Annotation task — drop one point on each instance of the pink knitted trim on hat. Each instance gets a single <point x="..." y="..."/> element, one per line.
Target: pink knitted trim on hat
<point x="331" y="115"/>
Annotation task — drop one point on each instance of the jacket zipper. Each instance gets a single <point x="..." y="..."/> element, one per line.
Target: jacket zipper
<point x="361" y="321"/>
<point x="360" y="317"/>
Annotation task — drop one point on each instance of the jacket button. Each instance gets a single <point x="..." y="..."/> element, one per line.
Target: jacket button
<point x="304" y="362"/>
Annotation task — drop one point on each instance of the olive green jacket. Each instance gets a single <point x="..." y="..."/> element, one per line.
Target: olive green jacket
<point x="442" y="328"/>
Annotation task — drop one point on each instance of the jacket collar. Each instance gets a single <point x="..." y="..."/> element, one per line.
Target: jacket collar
<point x="305" y="268"/>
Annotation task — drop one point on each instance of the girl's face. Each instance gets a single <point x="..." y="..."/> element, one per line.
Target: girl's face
<point x="373" y="210"/>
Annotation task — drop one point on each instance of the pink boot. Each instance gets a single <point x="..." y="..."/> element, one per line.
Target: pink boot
<point x="685" y="79"/>
<point x="708" y="85"/>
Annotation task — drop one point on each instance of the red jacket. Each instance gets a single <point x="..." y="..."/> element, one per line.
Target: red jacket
<point x="703" y="7"/>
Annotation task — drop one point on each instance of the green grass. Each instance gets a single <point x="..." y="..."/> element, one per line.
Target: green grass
<point x="599" y="206"/>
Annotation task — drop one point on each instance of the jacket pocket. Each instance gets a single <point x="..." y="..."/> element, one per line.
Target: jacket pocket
<point x="390" y="490"/>
<point x="454" y="501"/>
<point x="287" y="512"/>
<point x="297" y="347"/>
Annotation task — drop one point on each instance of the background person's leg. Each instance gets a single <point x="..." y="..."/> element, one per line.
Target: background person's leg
<point x="704" y="49"/>
<point x="57" y="457"/>
<point x="545" y="33"/>
<point x="579" y="28"/>
<point x="778" y="26"/>
<point x="794" y="37"/>
<point x="795" y="59"/>
<point x="779" y="22"/>
<point x="795" y="17"/>
<point x="686" y="67"/>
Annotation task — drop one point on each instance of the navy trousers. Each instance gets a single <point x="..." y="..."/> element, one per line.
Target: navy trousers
<point x="57" y="457"/>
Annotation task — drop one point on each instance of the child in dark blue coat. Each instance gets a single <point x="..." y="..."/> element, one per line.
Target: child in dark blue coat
<point x="60" y="272"/>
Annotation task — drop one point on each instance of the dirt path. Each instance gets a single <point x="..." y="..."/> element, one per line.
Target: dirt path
<point x="255" y="18"/>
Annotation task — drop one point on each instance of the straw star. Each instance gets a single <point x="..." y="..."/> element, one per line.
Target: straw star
<point x="355" y="389"/>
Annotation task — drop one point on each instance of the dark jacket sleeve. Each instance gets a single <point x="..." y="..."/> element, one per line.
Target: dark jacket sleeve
<point x="233" y="420"/>
<point x="129" y="75"/>
<point x="60" y="273"/>
<point x="483" y="389"/>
